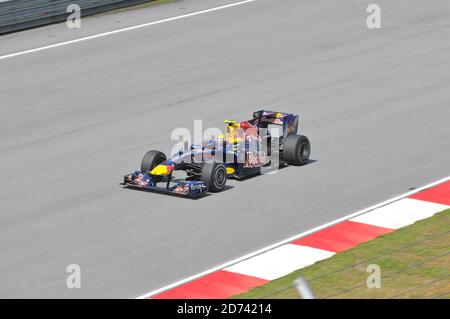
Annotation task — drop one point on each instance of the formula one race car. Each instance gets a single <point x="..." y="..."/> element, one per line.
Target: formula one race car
<point x="244" y="150"/>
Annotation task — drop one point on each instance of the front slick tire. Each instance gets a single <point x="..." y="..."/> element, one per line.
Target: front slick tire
<point x="151" y="160"/>
<point x="296" y="150"/>
<point x="215" y="175"/>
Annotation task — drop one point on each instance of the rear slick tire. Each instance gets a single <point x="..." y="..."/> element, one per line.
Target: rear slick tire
<point x="296" y="150"/>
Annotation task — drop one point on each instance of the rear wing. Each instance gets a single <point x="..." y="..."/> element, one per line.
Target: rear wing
<point x="264" y="118"/>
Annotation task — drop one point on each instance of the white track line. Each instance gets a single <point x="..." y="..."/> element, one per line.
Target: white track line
<point x="288" y="240"/>
<point x="125" y="29"/>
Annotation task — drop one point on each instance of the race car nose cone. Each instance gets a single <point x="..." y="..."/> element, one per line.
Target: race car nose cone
<point x="162" y="170"/>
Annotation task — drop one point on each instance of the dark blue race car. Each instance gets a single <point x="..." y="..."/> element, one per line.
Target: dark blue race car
<point x="244" y="150"/>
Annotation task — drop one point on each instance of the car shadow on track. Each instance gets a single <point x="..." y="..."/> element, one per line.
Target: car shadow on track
<point x="243" y="179"/>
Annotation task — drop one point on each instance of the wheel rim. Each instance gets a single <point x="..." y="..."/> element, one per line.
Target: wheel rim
<point x="219" y="181"/>
<point x="303" y="151"/>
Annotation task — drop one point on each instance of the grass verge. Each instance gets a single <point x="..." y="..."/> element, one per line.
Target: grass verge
<point x="414" y="263"/>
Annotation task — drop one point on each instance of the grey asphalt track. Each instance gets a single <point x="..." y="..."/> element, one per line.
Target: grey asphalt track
<point x="74" y="119"/>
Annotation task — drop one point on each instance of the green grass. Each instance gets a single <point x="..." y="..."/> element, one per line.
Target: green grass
<point x="414" y="262"/>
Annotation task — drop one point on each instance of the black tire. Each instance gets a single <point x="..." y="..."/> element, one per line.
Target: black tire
<point x="215" y="175"/>
<point x="296" y="149"/>
<point x="151" y="160"/>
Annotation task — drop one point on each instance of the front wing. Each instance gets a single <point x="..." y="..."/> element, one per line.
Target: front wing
<point x="192" y="189"/>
